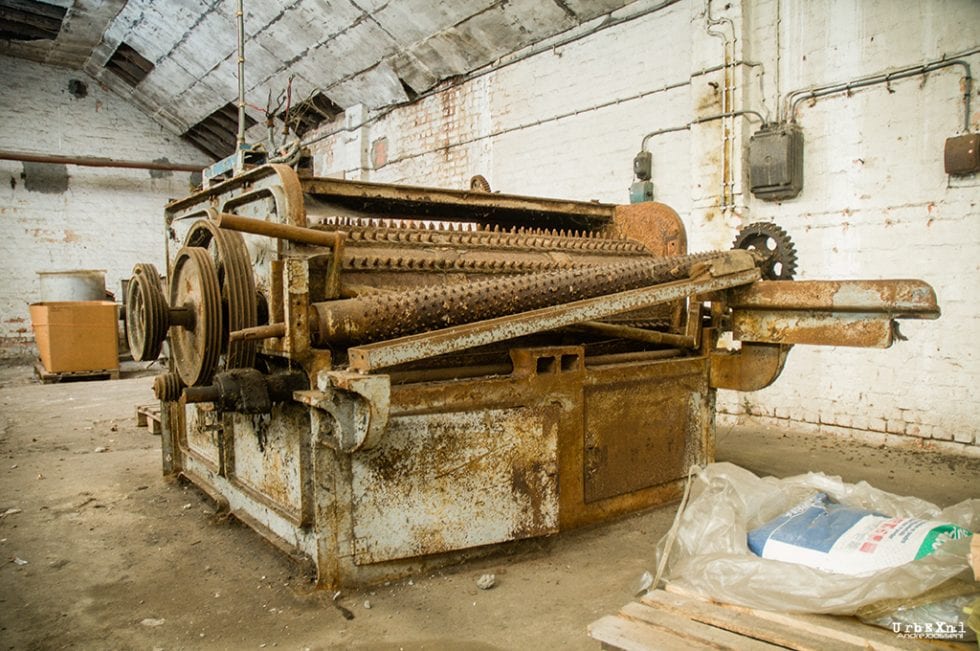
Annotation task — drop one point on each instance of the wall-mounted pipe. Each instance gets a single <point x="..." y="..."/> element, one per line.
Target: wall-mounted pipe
<point x="93" y="161"/>
<point x="707" y="118"/>
<point x="727" y="103"/>
<point x="794" y="98"/>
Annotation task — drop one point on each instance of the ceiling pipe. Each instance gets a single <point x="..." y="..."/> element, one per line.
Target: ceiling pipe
<point x="93" y="161"/>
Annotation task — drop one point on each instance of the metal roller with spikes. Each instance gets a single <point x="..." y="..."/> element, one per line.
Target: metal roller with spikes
<point x="376" y="317"/>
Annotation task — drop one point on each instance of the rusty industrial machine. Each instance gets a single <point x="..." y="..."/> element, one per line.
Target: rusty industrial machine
<point x="383" y="378"/>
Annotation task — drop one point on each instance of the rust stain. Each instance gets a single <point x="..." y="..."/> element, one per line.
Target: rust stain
<point x="711" y="99"/>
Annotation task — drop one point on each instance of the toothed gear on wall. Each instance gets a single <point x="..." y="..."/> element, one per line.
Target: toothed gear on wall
<point x="769" y="238"/>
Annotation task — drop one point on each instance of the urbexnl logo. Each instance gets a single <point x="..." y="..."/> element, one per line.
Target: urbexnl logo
<point x="932" y="630"/>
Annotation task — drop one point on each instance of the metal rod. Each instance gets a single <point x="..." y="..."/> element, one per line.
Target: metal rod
<point x="636" y="334"/>
<point x="449" y="373"/>
<point x="94" y="161"/>
<point x="271" y="331"/>
<point x="181" y="316"/>
<point x="288" y="232"/>
<point x="240" y="15"/>
<point x="202" y="394"/>
<point x="626" y="358"/>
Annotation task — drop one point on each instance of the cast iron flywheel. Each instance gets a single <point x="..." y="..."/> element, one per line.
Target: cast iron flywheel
<point x="236" y="284"/>
<point x="195" y="339"/>
<point x="146" y="313"/>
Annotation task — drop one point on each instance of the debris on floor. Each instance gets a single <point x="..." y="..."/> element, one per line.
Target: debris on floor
<point x="486" y="581"/>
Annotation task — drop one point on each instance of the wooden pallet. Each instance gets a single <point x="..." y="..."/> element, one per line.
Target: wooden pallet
<point x="149" y="416"/>
<point x="672" y="620"/>
<point x="51" y="377"/>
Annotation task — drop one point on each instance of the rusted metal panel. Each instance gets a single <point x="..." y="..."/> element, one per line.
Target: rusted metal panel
<point x="801" y="327"/>
<point x="267" y="456"/>
<point x="202" y="434"/>
<point x="752" y="367"/>
<point x="657" y="226"/>
<point x="664" y="480"/>
<point x="637" y="434"/>
<point x="459" y="205"/>
<point x="897" y="298"/>
<point x="408" y="492"/>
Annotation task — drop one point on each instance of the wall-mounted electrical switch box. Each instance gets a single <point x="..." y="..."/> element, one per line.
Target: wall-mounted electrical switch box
<point x="776" y="162"/>
<point x="963" y="154"/>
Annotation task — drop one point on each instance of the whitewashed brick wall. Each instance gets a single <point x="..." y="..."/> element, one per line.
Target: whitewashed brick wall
<point x="106" y="218"/>
<point x="876" y="202"/>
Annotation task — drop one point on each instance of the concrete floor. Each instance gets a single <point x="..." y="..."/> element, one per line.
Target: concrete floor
<point x="117" y="557"/>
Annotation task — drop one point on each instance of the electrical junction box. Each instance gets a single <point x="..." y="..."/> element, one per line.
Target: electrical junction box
<point x="641" y="191"/>
<point x="776" y="162"/>
<point x="643" y="166"/>
<point x="962" y="154"/>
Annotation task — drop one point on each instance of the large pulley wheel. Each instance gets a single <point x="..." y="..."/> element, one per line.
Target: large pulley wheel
<point x="774" y="244"/>
<point x="146" y="313"/>
<point x="237" y="287"/>
<point x="195" y="337"/>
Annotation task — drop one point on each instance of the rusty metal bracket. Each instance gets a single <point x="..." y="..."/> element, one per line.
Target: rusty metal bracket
<point x="349" y="412"/>
<point x="754" y="367"/>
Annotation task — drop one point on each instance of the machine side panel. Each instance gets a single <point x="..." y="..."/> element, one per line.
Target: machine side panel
<point x="638" y="434"/>
<point x="453" y="480"/>
<point x="642" y="426"/>
<point x="267" y="456"/>
<point x="201" y="435"/>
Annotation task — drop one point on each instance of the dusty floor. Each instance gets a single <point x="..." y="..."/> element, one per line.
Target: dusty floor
<point x="118" y="558"/>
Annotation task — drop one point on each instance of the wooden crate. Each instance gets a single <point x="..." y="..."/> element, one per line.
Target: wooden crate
<point x="675" y="620"/>
<point x="76" y="336"/>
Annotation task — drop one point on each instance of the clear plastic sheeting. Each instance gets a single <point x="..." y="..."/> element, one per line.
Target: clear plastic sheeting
<point x="709" y="554"/>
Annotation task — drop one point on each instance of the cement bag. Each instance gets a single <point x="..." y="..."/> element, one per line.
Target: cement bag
<point x="818" y="532"/>
<point x="710" y="554"/>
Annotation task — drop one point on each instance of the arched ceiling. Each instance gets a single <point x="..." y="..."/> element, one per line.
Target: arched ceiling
<point x="177" y="59"/>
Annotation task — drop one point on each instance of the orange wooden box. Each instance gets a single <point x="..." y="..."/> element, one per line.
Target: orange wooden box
<point x="76" y="335"/>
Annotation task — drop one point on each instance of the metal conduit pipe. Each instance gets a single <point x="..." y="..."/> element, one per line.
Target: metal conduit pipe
<point x="707" y="118"/>
<point x="726" y="197"/>
<point x="94" y="161"/>
<point x="793" y="99"/>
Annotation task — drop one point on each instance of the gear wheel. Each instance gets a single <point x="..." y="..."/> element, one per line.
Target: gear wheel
<point x="770" y="239"/>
